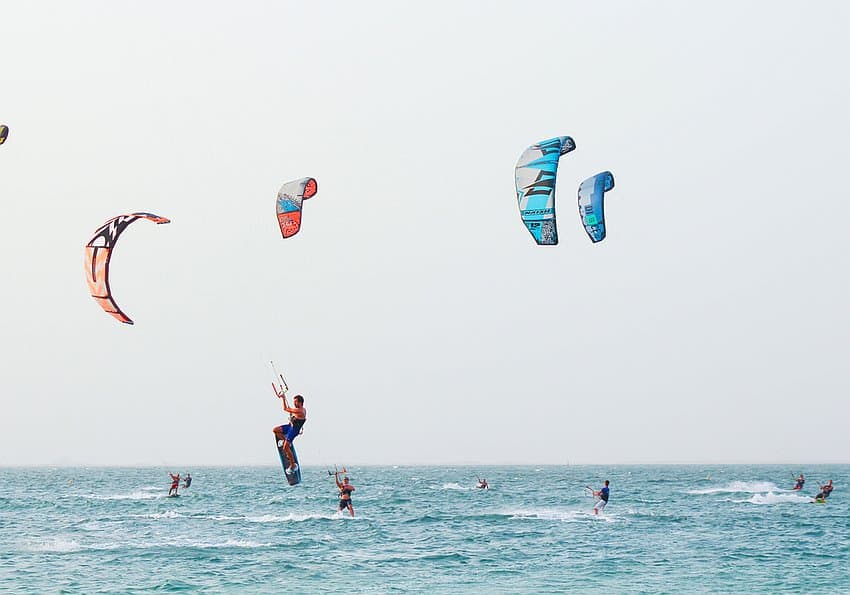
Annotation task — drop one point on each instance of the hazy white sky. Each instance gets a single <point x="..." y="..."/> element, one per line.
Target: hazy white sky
<point x="413" y="310"/>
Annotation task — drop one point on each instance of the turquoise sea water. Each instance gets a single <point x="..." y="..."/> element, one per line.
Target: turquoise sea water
<point x="243" y="530"/>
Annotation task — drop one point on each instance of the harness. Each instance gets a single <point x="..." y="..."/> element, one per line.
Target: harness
<point x="297" y="423"/>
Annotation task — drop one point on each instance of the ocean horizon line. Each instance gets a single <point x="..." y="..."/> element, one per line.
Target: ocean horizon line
<point x="415" y="465"/>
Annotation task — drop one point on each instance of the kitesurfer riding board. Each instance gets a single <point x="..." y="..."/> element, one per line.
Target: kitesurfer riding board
<point x="345" y="489"/>
<point x="825" y="491"/>
<point x="175" y="483"/>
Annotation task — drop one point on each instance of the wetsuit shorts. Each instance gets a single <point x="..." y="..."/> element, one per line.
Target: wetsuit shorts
<point x="343" y="504"/>
<point x="289" y="432"/>
<point x="600" y="505"/>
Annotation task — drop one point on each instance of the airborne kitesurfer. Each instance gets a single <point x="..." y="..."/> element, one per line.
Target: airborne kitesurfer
<point x="287" y="433"/>
<point x="345" y="489"/>
<point x="602" y="494"/>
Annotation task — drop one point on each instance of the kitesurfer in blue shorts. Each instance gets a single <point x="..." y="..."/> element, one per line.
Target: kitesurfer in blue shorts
<point x="602" y="494"/>
<point x="287" y="432"/>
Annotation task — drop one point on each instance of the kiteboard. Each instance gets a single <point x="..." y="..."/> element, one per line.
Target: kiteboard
<point x="819" y="501"/>
<point x="173" y="496"/>
<point x="294" y="477"/>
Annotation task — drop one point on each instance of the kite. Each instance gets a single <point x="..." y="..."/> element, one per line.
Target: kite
<point x="98" y="253"/>
<point x="289" y="200"/>
<point x="591" y="204"/>
<point x="4" y="132"/>
<point x="536" y="172"/>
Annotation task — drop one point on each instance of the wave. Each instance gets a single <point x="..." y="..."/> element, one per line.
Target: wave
<point x="265" y="518"/>
<point x="554" y="514"/>
<point x="292" y="517"/>
<point x="137" y="495"/>
<point x="168" y="514"/>
<point x="771" y="498"/>
<point x="55" y="544"/>
<point x="454" y="486"/>
<point x="61" y="545"/>
<point x="244" y="543"/>
<point x="737" y="487"/>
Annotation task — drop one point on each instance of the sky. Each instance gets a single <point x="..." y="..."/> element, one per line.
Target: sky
<point x="413" y="310"/>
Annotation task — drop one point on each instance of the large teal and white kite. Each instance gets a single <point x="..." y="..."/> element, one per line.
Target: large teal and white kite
<point x="536" y="173"/>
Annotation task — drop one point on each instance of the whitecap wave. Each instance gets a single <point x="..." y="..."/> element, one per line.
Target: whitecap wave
<point x="554" y="514"/>
<point x="454" y="486"/>
<point x="61" y="545"/>
<point x="245" y="543"/>
<point x="271" y="518"/>
<point x="168" y="514"/>
<point x="54" y="544"/>
<point x="740" y="487"/>
<point x="772" y="498"/>
<point x="137" y="495"/>
<point x="291" y="517"/>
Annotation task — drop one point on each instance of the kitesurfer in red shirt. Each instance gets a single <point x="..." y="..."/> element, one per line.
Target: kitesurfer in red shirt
<point x="175" y="482"/>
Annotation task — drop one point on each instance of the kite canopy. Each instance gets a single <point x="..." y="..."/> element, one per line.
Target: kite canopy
<point x="98" y="253"/>
<point x="536" y="173"/>
<point x="289" y="199"/>
<point x="591" y="205"/>
<point x="4" y="132"/>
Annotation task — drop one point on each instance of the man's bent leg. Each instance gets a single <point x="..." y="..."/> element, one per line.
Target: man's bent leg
<point x="288" y="452"/>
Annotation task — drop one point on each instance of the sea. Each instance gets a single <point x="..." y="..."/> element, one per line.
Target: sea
<point x="666" y="529"/>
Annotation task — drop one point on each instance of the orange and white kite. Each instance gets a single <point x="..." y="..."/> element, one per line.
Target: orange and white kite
<point x="99" y="251"/>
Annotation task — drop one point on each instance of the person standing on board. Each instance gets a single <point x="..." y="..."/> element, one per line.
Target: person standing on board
<point x="287" y="433"/>
<point x="345" y="489"/>
<point x="825" y="491"/>
<point x="482" y="484"/>
<point x="187" y="481"/>
<point x="800" y="483"/>
<point x="175" y="483"/>
<point x="602" y="494"/>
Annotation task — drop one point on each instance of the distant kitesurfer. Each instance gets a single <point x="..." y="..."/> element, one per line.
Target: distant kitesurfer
<point x="602" y="494"/>
<point x="482" y="484"/>
<point x="187" y="481"/>
<point x="345" y="489"/>
<point x="287" y="433"/>
<point x="800" y="482"/>
<point x="175" y="483"/>
<point x="825" y="491"/>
